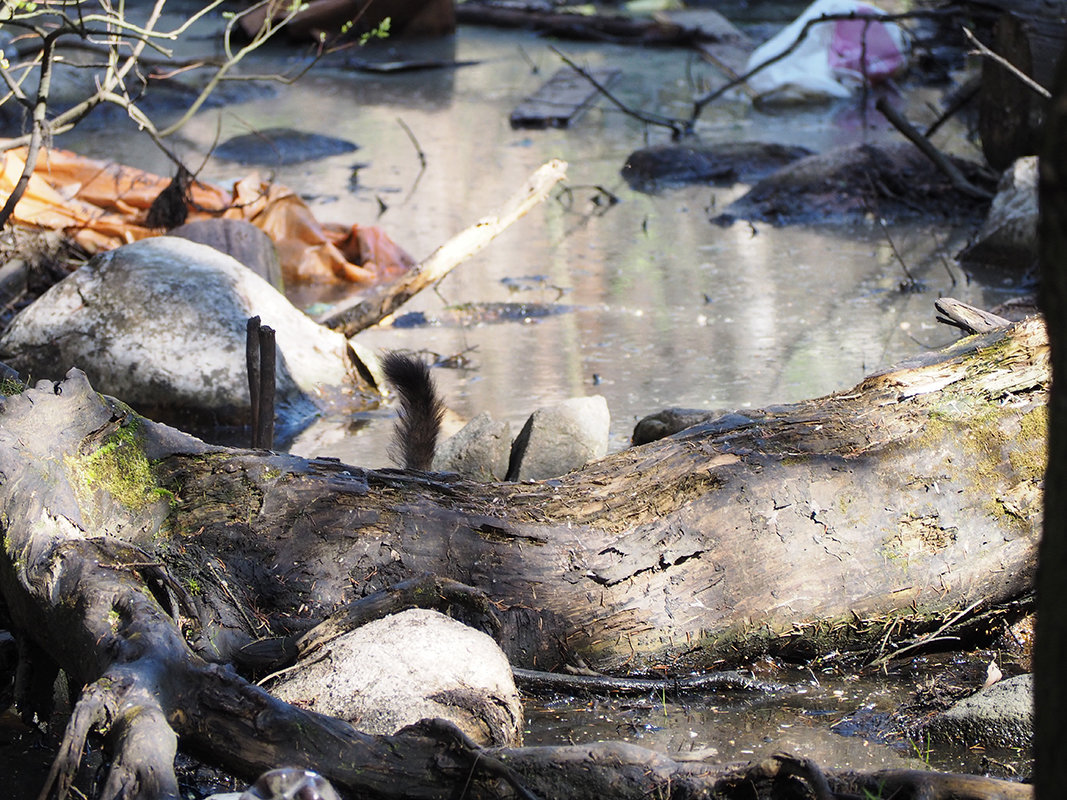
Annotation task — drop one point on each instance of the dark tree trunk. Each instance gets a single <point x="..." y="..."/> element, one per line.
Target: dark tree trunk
<point x="1050" y="655"/>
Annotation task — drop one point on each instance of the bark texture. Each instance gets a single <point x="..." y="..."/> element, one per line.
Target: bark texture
<point x="141" y="561"/>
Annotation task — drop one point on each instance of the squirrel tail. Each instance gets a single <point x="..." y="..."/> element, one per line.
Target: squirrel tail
<point x="421" y="410"/>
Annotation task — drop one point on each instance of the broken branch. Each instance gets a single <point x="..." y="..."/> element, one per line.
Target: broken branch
<point x="378" y="303"/>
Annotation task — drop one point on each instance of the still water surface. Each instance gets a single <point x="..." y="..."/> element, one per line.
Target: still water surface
<point x="668" y="310"/>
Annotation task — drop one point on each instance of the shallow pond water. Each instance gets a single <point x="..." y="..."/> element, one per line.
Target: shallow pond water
<point x="840" y="719"/>
<point x="667" y="309"/>
<point x="662" y="307"/>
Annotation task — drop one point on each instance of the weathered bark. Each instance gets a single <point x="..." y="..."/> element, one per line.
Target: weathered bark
<point x="1010" y="113"/>
<point x="805" y="527"/>
<point x="138" y="558"/>
<point x="802" y="527"/>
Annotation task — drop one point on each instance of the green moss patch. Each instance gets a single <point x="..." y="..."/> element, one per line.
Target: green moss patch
<point x="120" y="468"/>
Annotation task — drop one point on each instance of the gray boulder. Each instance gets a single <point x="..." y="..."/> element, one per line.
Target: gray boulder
<point x="415" y="665"/>
<point x="479" y="450"/>
<point x="240" y="239"/>
<point x="560" y="438"/>
<point x="999" y="716"/>
<point x="1008" y="237"/>
<point x="160" y="324"/>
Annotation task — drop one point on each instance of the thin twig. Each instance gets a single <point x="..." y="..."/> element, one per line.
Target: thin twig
<point x="912" y="284"/>
<point x="982" y="50"/>
<point x="414" y="141"/>
<point x="929" y="638"/>
<point x="966" y="93"/>
<point x="678" y="127"/>
<point x="39" y="130"/>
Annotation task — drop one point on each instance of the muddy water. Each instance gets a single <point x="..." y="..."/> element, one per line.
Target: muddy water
<point x="661" y="307"/>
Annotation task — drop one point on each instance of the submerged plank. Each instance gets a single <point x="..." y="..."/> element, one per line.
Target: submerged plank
<point x="561" y="100"/>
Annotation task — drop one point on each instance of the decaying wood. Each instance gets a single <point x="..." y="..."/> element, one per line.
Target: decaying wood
<point x="140" y="559"/>
<point x="376" y="304"/>
<point x="966" y="317"/>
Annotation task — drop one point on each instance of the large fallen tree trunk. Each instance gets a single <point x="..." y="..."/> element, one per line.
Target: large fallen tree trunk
<point x="802" y="527"/>
<point x="139" y="560"/>
<point x="798" y="529"/>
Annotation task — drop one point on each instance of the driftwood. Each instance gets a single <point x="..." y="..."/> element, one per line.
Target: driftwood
<point x="561" y="100"/>
<point x="966" y="317"/>
<point x="374" y="305"/>
<point x="141" y="561"/>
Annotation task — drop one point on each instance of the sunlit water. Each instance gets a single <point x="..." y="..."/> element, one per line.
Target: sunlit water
<point x="666" y="309"/>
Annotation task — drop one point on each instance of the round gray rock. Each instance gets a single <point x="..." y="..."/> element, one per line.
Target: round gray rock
<point x="1000" y="716"/>
<point x="479" y="450"/>
<point x="406" y="667"/>
<point x="558" y="439"/>
<point x="240" y="239"/>
<point x="160" y="324"/>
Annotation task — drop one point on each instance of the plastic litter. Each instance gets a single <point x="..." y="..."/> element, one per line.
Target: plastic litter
<point x="833" y="59"/>
<point x="102" y="205"/>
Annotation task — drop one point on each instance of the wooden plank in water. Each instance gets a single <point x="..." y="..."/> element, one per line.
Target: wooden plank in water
<point x="561" y="100"/>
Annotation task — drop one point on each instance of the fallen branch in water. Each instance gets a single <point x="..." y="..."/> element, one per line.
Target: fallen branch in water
<point x="381" y="301"/>
<point x="950" y="170"/>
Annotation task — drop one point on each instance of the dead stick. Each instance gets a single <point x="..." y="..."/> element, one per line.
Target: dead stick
<point x="1030" y="83"/>
<point x="267" y="360"/>
<point x="947" y="167"/>
<point x="252" y="366"/>
<point x="377" y="303"/>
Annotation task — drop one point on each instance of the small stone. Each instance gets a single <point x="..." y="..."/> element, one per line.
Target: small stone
<point x="560" y="438"/>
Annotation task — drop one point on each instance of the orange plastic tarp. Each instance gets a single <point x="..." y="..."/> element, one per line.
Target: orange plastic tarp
<point x="102" y="205"/>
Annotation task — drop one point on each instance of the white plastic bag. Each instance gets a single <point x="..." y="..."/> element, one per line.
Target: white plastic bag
<point x="830" y="61"/>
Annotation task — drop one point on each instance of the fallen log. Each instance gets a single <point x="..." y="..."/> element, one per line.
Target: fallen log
<point x="794" y="529"/>
<point x="139" y="560"/>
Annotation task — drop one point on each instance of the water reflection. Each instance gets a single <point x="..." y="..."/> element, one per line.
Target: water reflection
<point x="670" y="309"/>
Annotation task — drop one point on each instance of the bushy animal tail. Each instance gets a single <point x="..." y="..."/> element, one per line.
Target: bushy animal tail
<point x="421" y="410"/>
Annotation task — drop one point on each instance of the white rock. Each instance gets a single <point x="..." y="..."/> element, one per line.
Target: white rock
<point x="160" y="324"/>
<point x="1008" y="237"/>
<point x="406" y="667"/>
<point x="558" y="439"/>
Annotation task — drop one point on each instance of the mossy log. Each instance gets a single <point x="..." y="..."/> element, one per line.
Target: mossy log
<point x="807" y="528"/>
<point x="141" y="561"/>
<point x="795" y="529"/>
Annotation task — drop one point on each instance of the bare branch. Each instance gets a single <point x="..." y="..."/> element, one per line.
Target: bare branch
<point x="678" y="127"/>
<point x="40" y="128"/>
<point x="1030" y="83"/>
